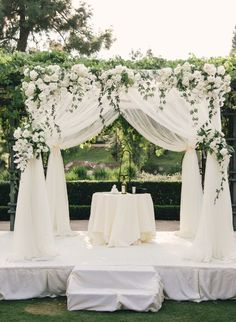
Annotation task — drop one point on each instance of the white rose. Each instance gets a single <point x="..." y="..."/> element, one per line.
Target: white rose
<point x="47" y="79"/>
<point x="120" y="69"/>
<point x="24" y="85"/>
<point x="118" y="78"/>
<point x="33" y="74"/>
<point x="17" y="133"/>
<point x="52" y="86"/>
<point x="197" y="74"/>
<point x="218" y="81"/>
<point x="42" y="96"/>
<point x="223" y="152"/>
<point x="177" y="70"/>
<point x="55" y="77"/>
<point x="80" y="70"/>
<point x="35" y="138"/>
<point x="53" y="68"/>
<point x="221" y="70"/>
<point x="186" y="67"/>
<point x="26" y="134"/>
<point x="212" y="145"/>
<point x="210" y="69"/>
<point x="185" y="81"/>
<point x="73" y="76"/>
<point x="30" y="89"/>
<point x="227" y="78"/>
<point x="26" y="72"/>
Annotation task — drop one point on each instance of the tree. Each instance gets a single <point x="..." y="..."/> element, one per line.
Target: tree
<point x="233" y="49"/>
<point x="25" y="20"/>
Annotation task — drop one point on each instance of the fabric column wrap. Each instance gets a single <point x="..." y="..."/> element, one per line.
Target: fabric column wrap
<point x="33" y="234"/>
<point x="191" y="195"/>
<point x="215" y="235"/>
<point x="57" y="194"/>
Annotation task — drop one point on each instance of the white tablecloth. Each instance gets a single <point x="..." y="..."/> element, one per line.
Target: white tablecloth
<point x="121" y="219"/>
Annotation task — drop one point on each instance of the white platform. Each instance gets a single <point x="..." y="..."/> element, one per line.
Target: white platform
<point x="182" y="278"/>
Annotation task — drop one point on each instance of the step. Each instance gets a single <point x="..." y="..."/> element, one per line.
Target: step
<point x="110" y="288"/>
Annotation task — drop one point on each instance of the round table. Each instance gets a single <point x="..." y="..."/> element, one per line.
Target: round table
<point x="121" y="219"/>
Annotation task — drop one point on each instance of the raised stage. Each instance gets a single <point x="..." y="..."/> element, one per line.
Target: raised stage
<point x="183" y="279"/>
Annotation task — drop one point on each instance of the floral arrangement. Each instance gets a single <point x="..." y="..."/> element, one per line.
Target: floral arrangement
<point x="115" y="81"/>
<point x="29" y="143"/>
<point x="209" y="83"/>
<point x="214" y="142"/>
<point x="44" y="86"/>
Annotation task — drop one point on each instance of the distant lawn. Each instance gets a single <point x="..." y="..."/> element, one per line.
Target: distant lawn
<point x="49" y="310"/>
<point x="88" y="154"/>
<point x="170" y="162"/>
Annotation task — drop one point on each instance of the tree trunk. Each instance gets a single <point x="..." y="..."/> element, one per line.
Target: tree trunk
<point x="24" y="31"/>
<point x="22" y="41"/>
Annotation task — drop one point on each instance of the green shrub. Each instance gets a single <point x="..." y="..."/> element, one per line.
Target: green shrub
<point x="4" y="175"/>
<point x="101" y="174"/>
<point x="71" y="175"/>
<point x="81" y="172"/>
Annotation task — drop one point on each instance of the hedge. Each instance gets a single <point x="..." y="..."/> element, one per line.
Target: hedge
<point x="165" y="195"/>
<point x="161" y="212"/>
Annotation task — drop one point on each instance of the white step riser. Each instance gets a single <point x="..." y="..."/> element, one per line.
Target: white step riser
<point x="110" y="289"/>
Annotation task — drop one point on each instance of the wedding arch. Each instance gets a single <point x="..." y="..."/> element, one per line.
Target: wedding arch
<point x="177" y="109"/>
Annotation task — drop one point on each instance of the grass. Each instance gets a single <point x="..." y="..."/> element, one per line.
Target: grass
<point x="88" y="154"/>
<point x="170" y="162"/>
<point x="49" y="310"/>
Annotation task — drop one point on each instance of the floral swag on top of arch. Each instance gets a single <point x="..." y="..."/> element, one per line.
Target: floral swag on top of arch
<point x="68" y="106"/>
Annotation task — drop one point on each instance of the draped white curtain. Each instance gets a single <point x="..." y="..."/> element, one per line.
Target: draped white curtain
<point x="171" y="128"/>
<point x="33" y="234"/>
<point x="215" y="236"/>
<point x="76" y="128"/>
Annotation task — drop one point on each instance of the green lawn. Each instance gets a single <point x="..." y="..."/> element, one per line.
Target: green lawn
<point x="88" y="154"/>
<point x="49" y="310"/>
<point x="168" y="163"/>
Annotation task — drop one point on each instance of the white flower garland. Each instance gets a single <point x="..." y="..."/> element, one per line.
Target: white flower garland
<point x="44" y="86"/>
<point x="208" y="83"/>
<point x="214" y="142"/>
<point x="119" y="79"/>
<point x="29" y="143"/>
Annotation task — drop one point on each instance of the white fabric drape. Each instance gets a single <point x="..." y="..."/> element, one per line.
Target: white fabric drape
<point x="58" y="200"/>
<point x="171" y="129"/>
<point x="215" y="237"/>
<point x="191" y="199"/>
<point x="33" y="234"/>
<point x="75" y="128"/>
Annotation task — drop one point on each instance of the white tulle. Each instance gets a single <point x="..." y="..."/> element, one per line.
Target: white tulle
<point x="33" y="234"/>
<point x="215" y="237"/>
<point x="58" y="201"/>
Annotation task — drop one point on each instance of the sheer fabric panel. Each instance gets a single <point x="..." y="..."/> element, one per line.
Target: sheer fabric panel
<point x="33" y="233"/>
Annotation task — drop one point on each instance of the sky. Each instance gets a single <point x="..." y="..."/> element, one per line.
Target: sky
<point x="171" y="28"/>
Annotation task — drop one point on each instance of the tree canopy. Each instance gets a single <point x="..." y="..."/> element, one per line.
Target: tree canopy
<point x="22" y="21"/>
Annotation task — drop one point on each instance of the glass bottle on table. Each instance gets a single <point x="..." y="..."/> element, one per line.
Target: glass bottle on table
<point x="123" y="185"/>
